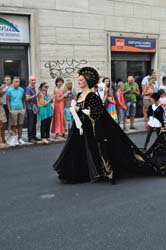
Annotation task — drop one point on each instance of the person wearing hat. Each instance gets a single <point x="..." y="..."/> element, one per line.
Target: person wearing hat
<point x="80" y="161"/>
<point x="91" y="152"/>
<point x="155" y="114"/>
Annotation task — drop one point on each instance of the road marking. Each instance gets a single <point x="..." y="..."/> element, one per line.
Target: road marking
<point x="47" y="196"/>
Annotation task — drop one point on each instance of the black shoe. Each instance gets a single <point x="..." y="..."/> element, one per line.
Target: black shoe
<point x="37" y="139"/>
<point x="32" y="141"/>
<point x="113" y="181"/>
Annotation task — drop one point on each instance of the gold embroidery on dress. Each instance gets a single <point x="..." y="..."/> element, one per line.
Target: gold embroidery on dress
<point x="138" y="157"/>
<point x="106" y="164"/>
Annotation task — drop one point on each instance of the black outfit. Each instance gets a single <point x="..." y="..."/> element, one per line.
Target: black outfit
<point x="31" y="123"/>
<point x="45" y="128"/>
<point x="159" y="115"/>
<point x="103" y="150"/>
<point x="31" y="117"/>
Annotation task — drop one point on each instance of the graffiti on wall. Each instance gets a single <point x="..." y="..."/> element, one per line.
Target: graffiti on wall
<point x="64" y="68"/>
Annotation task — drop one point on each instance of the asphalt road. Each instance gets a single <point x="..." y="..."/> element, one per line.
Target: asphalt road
<point x="37" y="212"/>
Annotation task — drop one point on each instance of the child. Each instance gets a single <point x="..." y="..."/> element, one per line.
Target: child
<point x="120" y="105"/>
<point x="69" y="96"/>
<point x="110" y="107"/>
<point x="156" y="118"/>
<point x="3" y="120"/>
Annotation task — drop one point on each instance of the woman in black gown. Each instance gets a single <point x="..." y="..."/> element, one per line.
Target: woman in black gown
<point x="103" y="150"/>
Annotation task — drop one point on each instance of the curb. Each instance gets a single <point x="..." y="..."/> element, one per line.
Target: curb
<point x="138" y="131"/>
<point x="130" y="132"/>
<point x="8" y="147"/>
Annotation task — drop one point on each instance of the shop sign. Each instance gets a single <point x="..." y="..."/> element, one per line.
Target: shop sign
<point x="14" y="29"/>
<point x="126" y="44"/>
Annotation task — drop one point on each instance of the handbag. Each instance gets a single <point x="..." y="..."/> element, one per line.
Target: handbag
<point x="35" y="109"/>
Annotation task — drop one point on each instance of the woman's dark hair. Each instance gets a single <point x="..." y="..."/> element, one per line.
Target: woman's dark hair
<point x="91" y="76"/>
<point x="151" y="71"/>
<point x="58" y="79"/>
<point x="107" y="78"/>
<point x="42" y="84"/>
<point x="155" y="96"/>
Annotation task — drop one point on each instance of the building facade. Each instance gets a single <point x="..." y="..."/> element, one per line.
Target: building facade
<point x="56" y="38"/>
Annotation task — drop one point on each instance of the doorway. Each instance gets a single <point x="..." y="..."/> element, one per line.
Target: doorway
<point x="14" y="62"/>
<point x="125" y="64"/>
<point x="137" y="65"/>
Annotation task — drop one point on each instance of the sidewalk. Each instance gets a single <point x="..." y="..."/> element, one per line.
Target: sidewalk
<point x="139" y="124"/>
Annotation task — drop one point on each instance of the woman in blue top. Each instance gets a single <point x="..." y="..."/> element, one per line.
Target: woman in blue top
<point x="45" y="112"/>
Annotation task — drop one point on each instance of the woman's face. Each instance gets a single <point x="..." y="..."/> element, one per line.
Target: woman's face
<point x="122" y="87"/>
<point x="82" y="82"/>
<point x="69" y="85"/>
<point x="45" y="88"/>
<point x="107" y="82"/>
<point x="59" y="84"/>
<point x="152" y="100"/>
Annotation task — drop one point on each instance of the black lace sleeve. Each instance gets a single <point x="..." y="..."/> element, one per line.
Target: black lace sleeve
<point x="95" y="105"/>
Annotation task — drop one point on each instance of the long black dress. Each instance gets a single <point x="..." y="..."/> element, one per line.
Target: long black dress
<point x="103" y="149"/>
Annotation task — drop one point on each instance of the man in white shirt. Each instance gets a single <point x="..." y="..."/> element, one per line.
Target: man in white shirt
<point x="146" y="80"/>
<point x="101" y="89"/>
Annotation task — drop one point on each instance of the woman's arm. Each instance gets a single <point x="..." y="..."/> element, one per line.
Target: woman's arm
<point x="41" y="101"/>
<point x="95" y="106"/>
<point x="145" y="90"/>
<point x="105" y="95"/>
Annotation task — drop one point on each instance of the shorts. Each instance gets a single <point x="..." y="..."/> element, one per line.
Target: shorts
<point x="146" y="103"/>
<point x="68" y="125"/>
<point x="68" y="115"/>
<point x="68" y="118"/>
<point x="121" y="114"/>
<point x="131" y="109"/>
<point x="2" y="115"/>
<point x="17" y="117"/>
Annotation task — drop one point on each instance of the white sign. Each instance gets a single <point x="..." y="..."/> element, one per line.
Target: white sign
<point x="14" y="29"/>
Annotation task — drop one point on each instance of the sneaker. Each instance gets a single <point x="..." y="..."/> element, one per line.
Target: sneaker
<point x="12" y="140"/>
<point x="45" y="141"/>
<point x="21" y="142"/>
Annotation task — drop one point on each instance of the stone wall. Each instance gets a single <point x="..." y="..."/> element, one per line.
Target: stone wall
<point x="73" y="33"/>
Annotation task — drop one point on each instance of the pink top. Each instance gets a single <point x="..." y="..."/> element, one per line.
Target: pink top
<point x="121" y="97"/>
